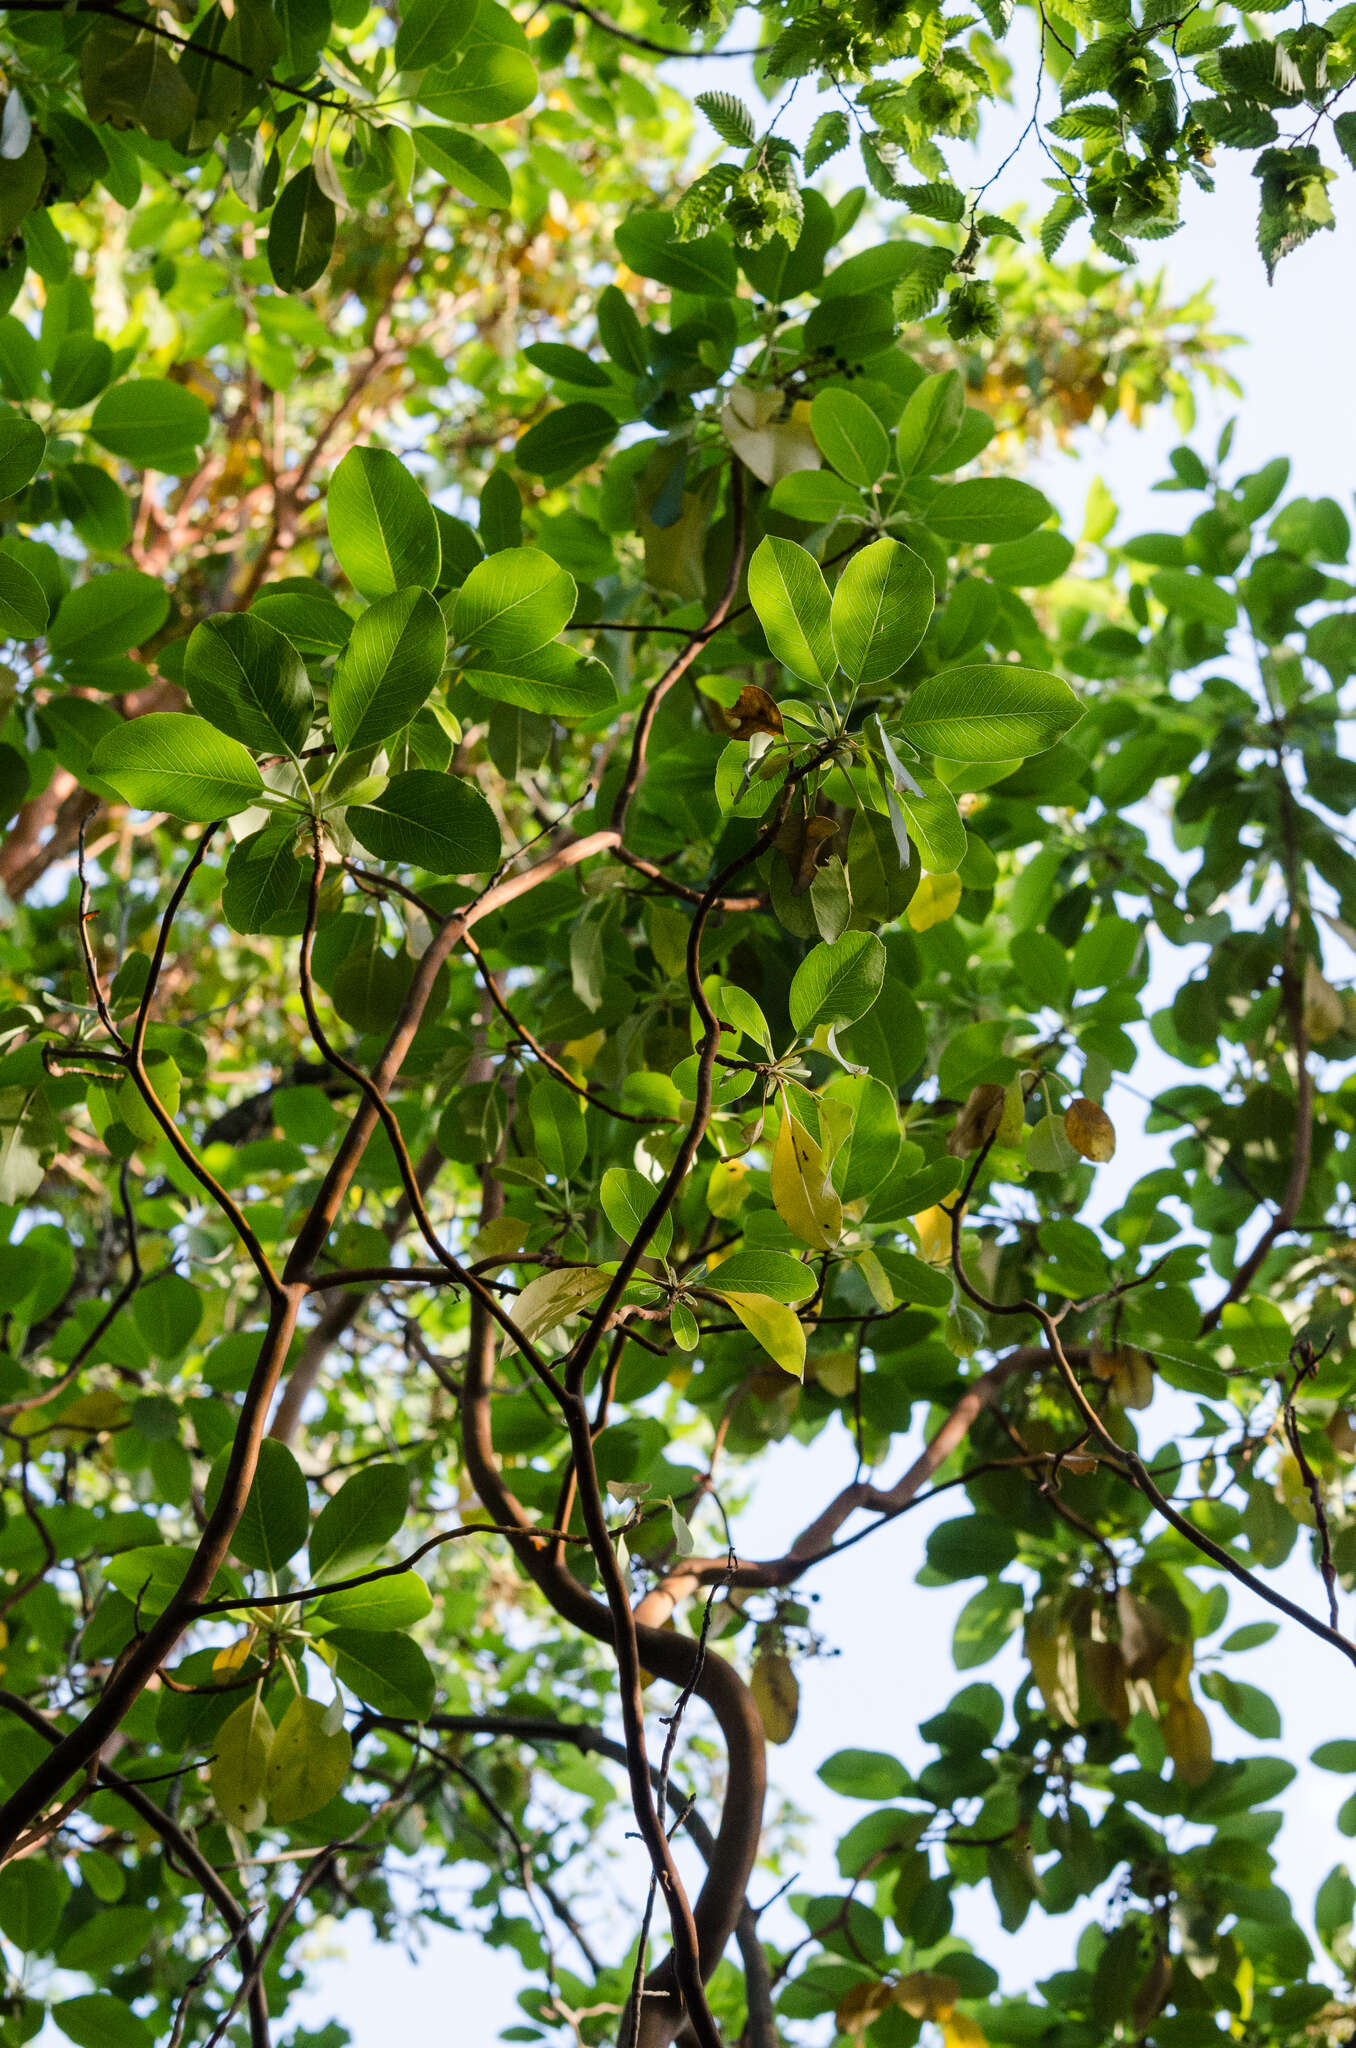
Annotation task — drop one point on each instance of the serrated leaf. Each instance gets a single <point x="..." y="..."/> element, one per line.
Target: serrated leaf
<point x="729" y="117"/>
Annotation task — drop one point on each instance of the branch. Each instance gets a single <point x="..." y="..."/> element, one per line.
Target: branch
<point x="653" y="49"/>
<point x="152" y="27"/>
<point x="183" y="1851"/>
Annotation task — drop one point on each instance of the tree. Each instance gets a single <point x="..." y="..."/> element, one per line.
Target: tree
<point x="511" y="1010"/>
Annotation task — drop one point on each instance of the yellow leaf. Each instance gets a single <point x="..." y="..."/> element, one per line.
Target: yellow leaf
<point x="1186" y="1737"/>
<point x="835" y="1371"/>
<point x="498" y="1239"/>
<point x="306" y="1766"/>
<point x="234" y="1656"/>
<point x="727" y="1187"/>
<point x="934" y="901"/>
<point x="801" y="1191"/>
<point x="240" y="1765"/>
<point x="1012" y="1123"/>
<point x="776" y="1327"/>
<point x="584" y="1051"/>
<point x="960" y="2031"/>
<point x="553" y="1297"/>
<point x="877" y="1279"/>
<point x="934" y="1234"/>
<point x="1090" y="1130"/>
<point x="776" y="1695"/>
<point x="1050" y="1652"/>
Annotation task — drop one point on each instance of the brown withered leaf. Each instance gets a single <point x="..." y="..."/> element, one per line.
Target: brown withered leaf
<point x="1130" y="1372"/>
<point x="926" y="1994"/>
<point x="1324" y="1013"/>
<point x="1104" y="1667"/>
<point x="776" y="1695"/>
<point x="861" y="2005"/>
<point x="1153" y="1990"/>
<point x="979" y="1119"/>
<point x="1144" y="1633"/>
<point x="1090" y="1130"/>
<point x="752" y="711"/>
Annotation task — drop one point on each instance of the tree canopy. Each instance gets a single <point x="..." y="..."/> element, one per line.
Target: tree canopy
<point x="594" y="883"/>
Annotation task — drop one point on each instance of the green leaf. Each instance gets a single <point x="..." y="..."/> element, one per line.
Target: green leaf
<point x="23" y="445"/>
<point x="110" y="613"/>
<point x="935" y="826"/>
<point x="829" y="135"/>
<point x="395" y="1602"/>
<point x="1254" y="1711"/>
<point x="301" y="233"/>
<point x="467" y="164"/>
<point x="100" y="2020"/>
<point x="32" y="1894"/>
<point x="837" y="984"/>
<point x="566" y="440"/>
<point x="649" y="244"/>
<point x="388" y="1672"/>
<point x="729" y="117"/>
<point x="1041" y="558"/>
<point x="512" y="604"/>
<point x="1336" y="1756"/>
<point x="247" y="679"/>
<point x="817" y="496"/>
<point x="23" y="602"/>
<point x="492" y="82"/>
<point x="307" y="1765"/>
<point x="1186" y="594"/>
<point x="428" y="820"/>
<point x="777" y="1328"/>
<point x="152" y="424"/>
<point x="627" y="1198"/>
<point x="989" y="714"/>
<point x="392" y="662"/>
<point x="150" y="1575"/>
<point x="558" y="1127"/>
<point x="555" y="681"/>
<point x="788" y="592"/>
<point x="359" y="1521"/>
<point x="987" y="508"/>
<point x="168" y="761"/>
<point x="277" y="1515"/>
<point x="851" y="436"/>
<point x="114" y="1936"/>
<point x="751" y="1270"/>
<point x="264" y="881"/>
<point x="882" y="603"/>
<point x="985" y="1623"/>
<point x="382" y="527"/>
<point x="865" y="1774"/>
<point x="430" y="31"/>
<point x="240" y="1765"/>
<point x="931" y="422"/>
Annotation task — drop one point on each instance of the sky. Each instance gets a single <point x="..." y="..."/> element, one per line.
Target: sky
<point x="893" y="1668"/>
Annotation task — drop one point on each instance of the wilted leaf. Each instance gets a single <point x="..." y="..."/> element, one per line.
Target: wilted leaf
<point x="753" y="711"/>
<point x="802" y="1193"/>
<point x="1090" y="1130"/>
<point x="979" y="1120"/>
<point x="776" y="1695"/>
